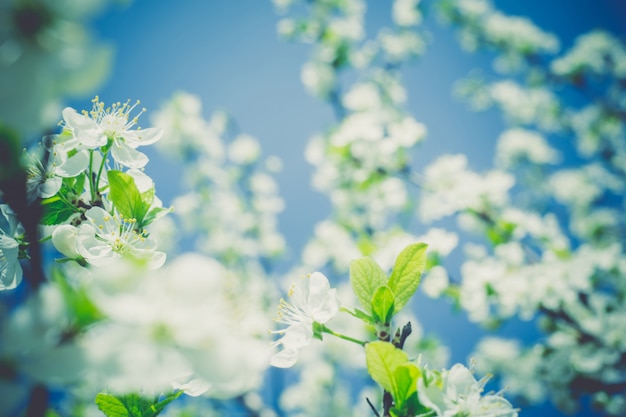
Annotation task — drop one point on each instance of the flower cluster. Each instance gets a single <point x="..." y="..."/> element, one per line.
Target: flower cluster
<point x="234" y="197"/>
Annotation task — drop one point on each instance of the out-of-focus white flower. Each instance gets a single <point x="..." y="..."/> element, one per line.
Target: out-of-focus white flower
<point x="451" y="187"/>
<point x="581" y="187"/>
<point x="318" y="78"/>
<point x="458" y="393"/>
<point x="435" y="282"/>
<point x="519" y="34"/>
<point x="520" y="145"/>
<point x="439" y="240"/>
<point x="313" y="301"/>
<point x="407" y="132"/>
<point x="153" y="339"/>
<point x="107" y="238"/>
<point x="362" y="96"/>
<point x="406" y="12"/>
<point x="10" y="268"/>
<point x="526" y="105"/>
<point x="331" y="243"/>
<point x="244" y="150"/>
<point x="518" y="368"/>
<point x="33" y="346"/>
<point x="598" y="52"/>
<point x="399" y="46"/>
<point x="112" y="126"/>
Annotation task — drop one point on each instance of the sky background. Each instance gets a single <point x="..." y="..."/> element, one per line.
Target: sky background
<point x="228" y="53"/>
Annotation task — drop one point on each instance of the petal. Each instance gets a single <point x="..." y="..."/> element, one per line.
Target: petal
<point x="461" y="379"/>
<point x="64" y="240"/>
<point x="431" y="396"/>
<point x="98" y="215"/>
<point x="50" y="187"/>
<point x="142" y="181"/>
<point x="10" y="268"/>
<point x="143" y="137"/>
<point x="155" y="259"/>
<point x="75" y="120"/>
<point x="297" y="336"/>
<point x="93" y="250"/>
<point x="85" y="129"/>
<point x="318" y="288"/>
<point x="74" y="165"/>
<point x="127" y="156"/>
<point x="192" y="386"/>
<point x="328" y="309"/>
<point x="286" y="358"/>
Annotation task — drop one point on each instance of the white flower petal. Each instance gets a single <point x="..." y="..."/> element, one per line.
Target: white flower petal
<point x="142" y="137"/>
<point x="74" y="165"/>
<point x="10" y="268"/>
<point x="64" y="240"/>
<point x="50" y="187"/>
<point x="286" y="358"/>
<point x="127" y="156"/>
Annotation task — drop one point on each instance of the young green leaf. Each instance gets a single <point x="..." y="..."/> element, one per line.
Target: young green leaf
<point x="156" y="409"/>
<point x="55" y="211"/>
<point x="153" y="214"/>
<point x="111" y="406"/>
<point x="126" y="197"/>
<point x="406" y="273"/>
<point x="83" y="309"/>
<point x="365" y="277"/>
<point x="406" y="377"/>
<point x="383" y="359"/>
<point x="359" y="314"/>
<point x="383" y="304"/>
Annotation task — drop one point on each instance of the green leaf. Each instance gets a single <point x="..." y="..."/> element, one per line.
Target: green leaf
<point x="126" y="197"/>
<point x="83" y="309"/>
<point x="55" y="211"/>
<point x="406" y="273"/>
<point x="360" y="314"/>
<point x="135" y="404"/>
<point x="383" y="360"/>
<point x="156" y="409"/>
<point x="153" y="214"/>
<point x="406" y="377"/>
<point x="111" y="406"/>
<point x="365" y="277"/>
<point x="383" y="303"/>
<point x="148" y="196"/>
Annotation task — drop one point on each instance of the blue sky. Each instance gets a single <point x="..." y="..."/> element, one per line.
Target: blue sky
<point x="228" y="53"/>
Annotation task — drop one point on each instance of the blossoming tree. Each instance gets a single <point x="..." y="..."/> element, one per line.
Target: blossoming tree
<point x="104" y="314"/>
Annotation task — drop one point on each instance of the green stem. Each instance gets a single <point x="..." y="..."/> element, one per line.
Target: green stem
<point x="90" y="177"/>
<point x="104" y="158"/>
<point x="343" y="336"/>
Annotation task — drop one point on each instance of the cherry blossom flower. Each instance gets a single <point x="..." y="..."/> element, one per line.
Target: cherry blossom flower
<point x="107" y="238"/>
<point x="112" y="126"/>
<point x="10" y="268"/>
<point x="313" y="302"/>
<point x="459" y="394"/>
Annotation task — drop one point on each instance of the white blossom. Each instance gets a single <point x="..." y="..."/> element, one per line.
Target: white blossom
<point x="10" y="268"/>
<point x="112" y="126"/>
<point x="313" y="301"/>
<point x="459" y="393"/>
<point x="520" y="145"/>
<point x="106" y="238"/>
